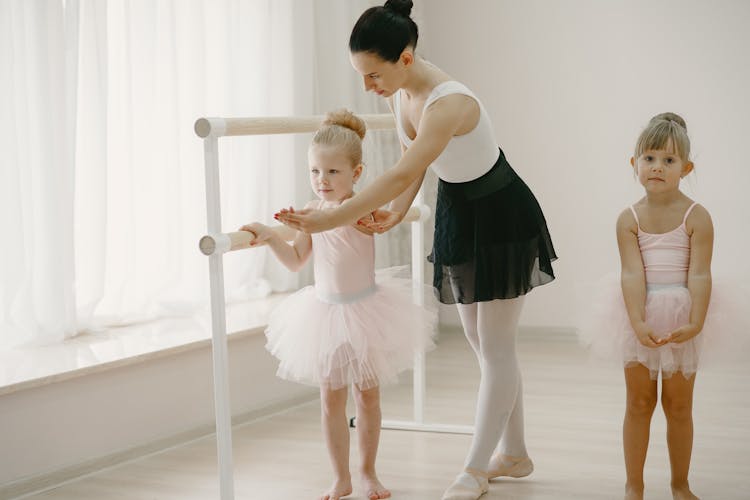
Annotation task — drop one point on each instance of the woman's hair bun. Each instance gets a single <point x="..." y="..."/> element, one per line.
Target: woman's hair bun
<point x="402" y="7"/>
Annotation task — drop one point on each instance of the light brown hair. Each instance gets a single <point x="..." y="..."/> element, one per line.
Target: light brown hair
<point x="344" y="129"/>
<point x="662" y="129"/>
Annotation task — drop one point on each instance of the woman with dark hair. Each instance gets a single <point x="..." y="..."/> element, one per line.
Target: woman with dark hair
<point x="491" y="243"/>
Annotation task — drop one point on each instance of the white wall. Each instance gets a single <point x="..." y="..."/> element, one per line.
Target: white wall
<point x="569" y="86"/>
<point x="73" y="426"/>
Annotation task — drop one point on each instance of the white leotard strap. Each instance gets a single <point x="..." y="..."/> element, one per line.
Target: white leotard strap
<point x="635" y="215"/>
<point x="690" y="209"/>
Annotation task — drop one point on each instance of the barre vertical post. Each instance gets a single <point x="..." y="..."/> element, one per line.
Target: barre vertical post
<point x="417" y="284"/>
<point x="218" y="324"/>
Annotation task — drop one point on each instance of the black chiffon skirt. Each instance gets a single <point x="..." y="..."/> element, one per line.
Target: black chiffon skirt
<point x="491" y="239"/>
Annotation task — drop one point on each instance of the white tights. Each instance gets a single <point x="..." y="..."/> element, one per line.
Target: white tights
<point x="491" y="329"/>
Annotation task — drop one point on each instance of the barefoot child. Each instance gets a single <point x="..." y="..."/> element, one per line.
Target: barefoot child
<point x="346" y="329"/>
<point x="659" y="322"/>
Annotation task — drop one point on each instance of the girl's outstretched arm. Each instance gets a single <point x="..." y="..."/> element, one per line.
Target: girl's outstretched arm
<point x="440" y="122"/>
<point x="633" y="278"/>
<point x="701" y="232"/>
<point x="293" y="255"/>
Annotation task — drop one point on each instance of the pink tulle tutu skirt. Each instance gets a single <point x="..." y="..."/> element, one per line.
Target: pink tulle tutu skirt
<point x="366" y="342"/>
<point x="605" y="328"/>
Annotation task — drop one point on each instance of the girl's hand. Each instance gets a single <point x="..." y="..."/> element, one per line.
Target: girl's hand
<point x="647" y="337"/>
<point x="683" y="334"/>
<point x="380" y="220"/>
<point x="261" y="232"/>
<point x="307" y="220"/>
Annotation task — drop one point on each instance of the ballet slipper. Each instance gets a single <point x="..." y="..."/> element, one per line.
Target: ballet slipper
<point x="510" y="466"/>
<point x="460" y="491"/>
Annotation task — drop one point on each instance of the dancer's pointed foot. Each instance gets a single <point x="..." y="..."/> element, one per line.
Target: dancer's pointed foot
<point x="374" y="488"/>
<point x="340" y="489"/>
<point x="506" y="465"/>
<point x="469" y="485"/>
<point x="682" y="492"/>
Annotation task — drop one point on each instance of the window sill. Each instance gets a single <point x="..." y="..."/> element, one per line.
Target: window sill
<point x="34" y="366"/>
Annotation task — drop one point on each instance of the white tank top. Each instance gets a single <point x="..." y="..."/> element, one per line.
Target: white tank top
<point x="466" y="157"/>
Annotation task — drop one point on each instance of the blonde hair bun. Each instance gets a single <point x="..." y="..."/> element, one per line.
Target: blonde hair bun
<point x="347" y="119"/>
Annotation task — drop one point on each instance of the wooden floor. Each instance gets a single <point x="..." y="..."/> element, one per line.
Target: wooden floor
<point x="573" y="427"/>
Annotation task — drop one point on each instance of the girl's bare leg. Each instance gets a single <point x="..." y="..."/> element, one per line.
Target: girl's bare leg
<point x="336" y="431"/>
<point x="677" y="401"/>
<point x="640" y="404"/>
<point x="368" y="435"/>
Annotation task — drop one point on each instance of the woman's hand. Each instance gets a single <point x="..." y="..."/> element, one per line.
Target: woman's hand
<point x="380" y="221"/>
<point x="683" y="334"/>
<point x="307" y="220"/>
<point x="647" y="337"/>
<point x="261" y="232"/>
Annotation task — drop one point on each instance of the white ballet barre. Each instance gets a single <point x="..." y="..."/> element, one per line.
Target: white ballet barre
<point x="419" y="380"/>
<point x="237" y="240"/>
<point x="222" y="127"/>
<point x="215" y="243"/>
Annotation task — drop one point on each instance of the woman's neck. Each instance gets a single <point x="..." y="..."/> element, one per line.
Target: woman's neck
<point x="423" y="78"/>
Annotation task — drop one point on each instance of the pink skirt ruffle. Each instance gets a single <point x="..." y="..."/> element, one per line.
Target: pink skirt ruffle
<point x="367" y="342"/>
<point x="604" y="328"/>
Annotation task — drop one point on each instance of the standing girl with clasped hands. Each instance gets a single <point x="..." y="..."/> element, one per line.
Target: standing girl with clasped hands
<point x="661" y="320"/>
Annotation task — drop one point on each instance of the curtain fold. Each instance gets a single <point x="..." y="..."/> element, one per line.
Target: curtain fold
<point x="37" y="302"/>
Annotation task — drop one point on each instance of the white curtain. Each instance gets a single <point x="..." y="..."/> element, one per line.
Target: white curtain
<point x="164" y="64"/>
<point x="103" y="180"/>
<point x="36" y="204"/>
<point x="102" y="175"/>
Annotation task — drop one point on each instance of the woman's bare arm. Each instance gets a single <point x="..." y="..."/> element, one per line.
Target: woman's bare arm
<point x="440" y="122"/>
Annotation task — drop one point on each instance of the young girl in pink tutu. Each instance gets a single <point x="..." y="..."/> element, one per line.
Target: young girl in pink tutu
<point x="658" y="322"/>
<point x="346" y="329"/>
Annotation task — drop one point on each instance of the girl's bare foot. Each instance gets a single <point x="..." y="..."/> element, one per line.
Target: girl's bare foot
<point x="374" y="488"/>
<point x="633" y="492"/>
<point x="340" y="488"/>
<point x="683" y="493"/>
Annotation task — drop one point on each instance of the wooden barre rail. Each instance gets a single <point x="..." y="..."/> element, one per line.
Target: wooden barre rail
<point x="240" y="240"/>
<point x="221" y="127"/>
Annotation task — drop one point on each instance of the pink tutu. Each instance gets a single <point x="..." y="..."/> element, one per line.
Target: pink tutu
<point x="367" y="341"/>
<point x="605" y="328"/>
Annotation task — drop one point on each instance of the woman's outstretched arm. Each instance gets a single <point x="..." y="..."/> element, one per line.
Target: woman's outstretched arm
<point x="440" y="122"/>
